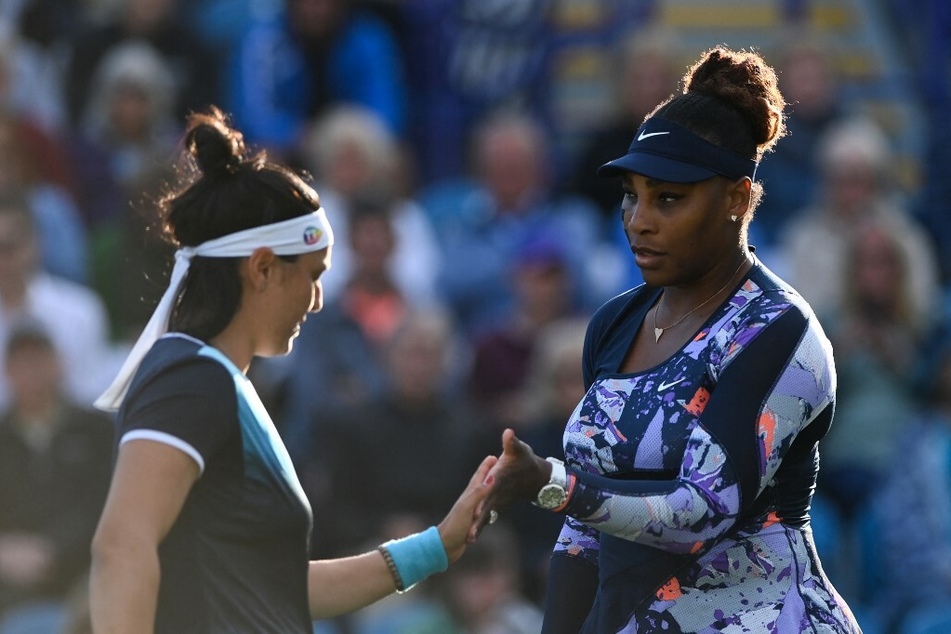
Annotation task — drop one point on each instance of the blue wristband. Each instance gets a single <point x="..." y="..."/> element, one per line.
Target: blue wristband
<point x="418" y="556"/>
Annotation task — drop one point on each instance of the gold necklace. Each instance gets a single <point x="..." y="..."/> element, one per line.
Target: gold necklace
<point x="660" y="331"/>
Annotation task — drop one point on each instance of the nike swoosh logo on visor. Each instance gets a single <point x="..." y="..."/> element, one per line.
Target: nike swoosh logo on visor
<point x="644" y="135"/>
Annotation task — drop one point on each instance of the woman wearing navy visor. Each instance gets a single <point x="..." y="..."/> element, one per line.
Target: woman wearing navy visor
<point x="691" y="460"/>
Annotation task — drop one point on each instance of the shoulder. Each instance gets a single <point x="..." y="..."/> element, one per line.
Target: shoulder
<point x="766" y="293"/>
<point x="768" y="308"/>
<point x="174" y="366"/>
<point x="179" y="393"/>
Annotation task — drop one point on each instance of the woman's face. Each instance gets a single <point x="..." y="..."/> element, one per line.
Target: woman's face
<point x="878" y="269"/>
<point x="296" y="292"/>
<point x="678" y="232"/>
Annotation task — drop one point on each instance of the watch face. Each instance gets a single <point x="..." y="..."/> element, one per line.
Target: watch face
<point x="551" y="496"/>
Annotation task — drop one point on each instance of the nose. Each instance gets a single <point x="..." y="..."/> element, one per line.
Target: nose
<point x="637" y="217"/>
<point x="316" y="298"/>
<point x="630" y="214"/>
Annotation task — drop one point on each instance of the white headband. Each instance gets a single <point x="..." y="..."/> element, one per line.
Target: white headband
<point x="301" y="234"/>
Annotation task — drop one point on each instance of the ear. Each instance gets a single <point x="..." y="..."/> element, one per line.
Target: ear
<point x="739" y="194"/>
<point x="261" y="268"/>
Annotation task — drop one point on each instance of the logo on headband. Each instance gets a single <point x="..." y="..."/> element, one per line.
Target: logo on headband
<point x="312" y="235"/>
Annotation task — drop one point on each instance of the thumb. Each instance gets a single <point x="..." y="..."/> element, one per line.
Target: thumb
<point x="510" y="443"/>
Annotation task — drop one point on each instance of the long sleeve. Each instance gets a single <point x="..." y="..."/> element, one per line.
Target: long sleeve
<point x="774" y="378"/>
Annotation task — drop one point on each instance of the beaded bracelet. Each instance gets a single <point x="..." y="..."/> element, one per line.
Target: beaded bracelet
<point x="393" y="570"/>
<point x="412" y="559"/>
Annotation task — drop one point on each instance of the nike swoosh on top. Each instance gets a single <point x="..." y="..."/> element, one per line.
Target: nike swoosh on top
<point x="663" y="386"/>
<point x="644" y="135"/>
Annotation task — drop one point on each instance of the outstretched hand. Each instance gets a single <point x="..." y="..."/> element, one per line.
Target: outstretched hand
<point x="517" y="475"/>
<point x="458" y="528"/>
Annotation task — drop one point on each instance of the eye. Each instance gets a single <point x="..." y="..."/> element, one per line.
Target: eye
<point x="628" y="202"/>
<point x="669" y="197"/>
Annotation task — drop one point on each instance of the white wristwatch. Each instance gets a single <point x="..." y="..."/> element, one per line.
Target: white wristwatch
<point x="554" y="494"/>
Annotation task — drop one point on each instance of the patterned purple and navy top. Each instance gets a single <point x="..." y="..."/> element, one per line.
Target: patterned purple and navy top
<point x="691" y="481"/>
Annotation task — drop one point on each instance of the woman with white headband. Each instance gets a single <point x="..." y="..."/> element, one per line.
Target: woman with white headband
<point x="206" y="527"/>
<point x="692" y="458"/>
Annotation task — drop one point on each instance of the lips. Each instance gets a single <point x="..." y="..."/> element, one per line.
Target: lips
<point x="647" y="258"/>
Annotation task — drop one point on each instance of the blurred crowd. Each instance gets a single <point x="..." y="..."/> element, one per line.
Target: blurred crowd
<point x="454" y="145"/>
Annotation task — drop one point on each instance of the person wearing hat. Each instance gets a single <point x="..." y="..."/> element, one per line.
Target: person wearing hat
<point x="206" y="525"/>
<point x="691" y="460"/>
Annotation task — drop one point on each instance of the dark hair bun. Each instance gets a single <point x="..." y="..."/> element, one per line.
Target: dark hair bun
<point x="745" y="82"/>
<point x="216" y="147"/>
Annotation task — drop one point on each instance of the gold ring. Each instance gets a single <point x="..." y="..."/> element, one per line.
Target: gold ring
<point x="493" y="516"/>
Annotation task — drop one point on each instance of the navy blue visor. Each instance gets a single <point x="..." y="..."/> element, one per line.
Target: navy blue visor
<point x="665" y="151"/>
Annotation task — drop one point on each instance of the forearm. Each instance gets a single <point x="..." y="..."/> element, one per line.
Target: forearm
<point x="697" y="506"/>
<point x="339" y="586"/>
<point x="123" y="590"/>
<point x="343" y="585"/>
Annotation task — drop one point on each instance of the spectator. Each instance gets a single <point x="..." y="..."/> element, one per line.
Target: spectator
<point x="648" y="69"/>
<point x="914" y="507"/>
<point x="222" y="23"/>
<point x="290" y="67"/>
<point x="877" y="344"/>
<point x="127" y="141"/>
<point x="31" y="81"/>
<point x="552" y="388"/>
<point x="130" y="114"/>
<point x="484" y="592"/>
<point x="931" y="205"/>
<point x="854" y="159"/>
<point x="72" y="314"/>
<point x="338" y="361"/>
<point x="24" y="167"/>
<point x="542" y="292"/>
<point x="351" y="150"/>
<point x="509" y="202"/>
<point x="355" y="454"/>
<point x="23" y="103"/>
<point x="791" y="172"/>
<point x="158" y="23"/>
<point x="466" y="59"/>
<point x="55" y="459"/>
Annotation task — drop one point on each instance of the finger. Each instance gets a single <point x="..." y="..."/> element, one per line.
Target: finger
<point x="511" y="443"/>
<point x="479" y="520"/>
<point x="483" y="520"/>
<point x="479" y="477"/>
<point x="508" y="439"/>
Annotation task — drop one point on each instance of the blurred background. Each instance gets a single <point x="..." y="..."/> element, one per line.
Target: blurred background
<point x="454" y="145"/>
